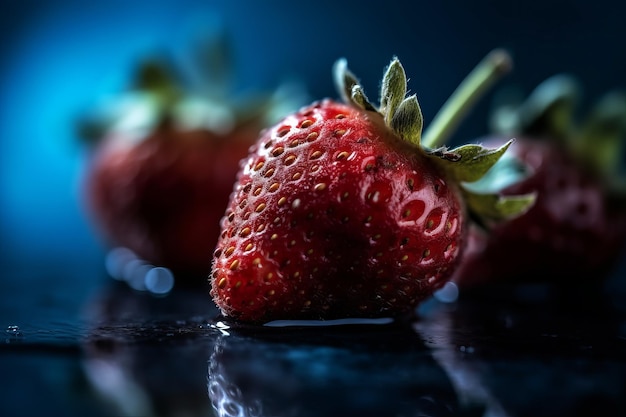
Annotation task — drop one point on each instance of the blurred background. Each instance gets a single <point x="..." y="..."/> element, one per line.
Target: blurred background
<point x="58" y="57"/>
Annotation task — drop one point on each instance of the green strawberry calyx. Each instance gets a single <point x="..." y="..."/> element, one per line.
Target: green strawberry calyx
<point x="546" y="112"/>
<point x="403" y="116"/>
<point x="597" y="140"/>
<point x="160" y="97"/>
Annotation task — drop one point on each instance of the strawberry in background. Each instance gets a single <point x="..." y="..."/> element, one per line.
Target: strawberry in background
<point x="574" y="234"/>
<point x="164" y="158"/>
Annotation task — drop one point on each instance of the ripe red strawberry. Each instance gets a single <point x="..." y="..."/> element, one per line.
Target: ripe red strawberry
<point x="575" y="232"/>
<point x="161" y="175"/>
<point x="340" y="210"/>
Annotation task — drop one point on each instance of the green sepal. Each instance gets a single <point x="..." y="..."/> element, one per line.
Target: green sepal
<point x="509" y="170"/>
<point x="344" y="80"/>
<point x="359" y="98"/>
<point x="471" y="162"/>
<point x="157" y="77"/>
<point x="600" y="139"/>
<point x="547" y="111"/>
<point x="393" y="91"/>
<point x="489" y="208"/>
<point x="401" y="114"/>
<point x="407" y="120"/>
<point x="550" y="107"/>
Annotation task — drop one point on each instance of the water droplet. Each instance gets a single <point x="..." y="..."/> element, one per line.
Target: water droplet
<point x="222" y="327"/>
<point x="14" y="331"/>
<point x="13" y="334"/>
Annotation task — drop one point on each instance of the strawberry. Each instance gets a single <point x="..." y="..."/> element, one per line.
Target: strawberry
<point x="161" y="174"/>
<point x="574" y="233"/>
<point x="342" y="210"/>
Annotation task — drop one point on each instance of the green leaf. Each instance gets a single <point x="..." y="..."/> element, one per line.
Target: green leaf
<point x="393" y="90"/>
<point x="473" y="161"/>
<point x="407" y="120"/>
<point x="494" y="207"/>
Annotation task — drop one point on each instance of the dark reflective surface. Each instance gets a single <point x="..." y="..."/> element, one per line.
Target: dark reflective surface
<point x="532" y="353"/>
<point x="351" y="370"/>
<point x="505" y="353"/>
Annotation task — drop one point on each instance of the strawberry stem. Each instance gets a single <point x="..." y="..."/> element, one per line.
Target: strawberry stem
<point x="475" y="85"/>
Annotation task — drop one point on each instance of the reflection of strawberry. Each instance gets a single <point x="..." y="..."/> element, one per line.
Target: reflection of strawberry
<point x="576" y="230"/>
<point x="340" y="210"/>
<point x="160" y="178"/>
<point x="358" y="370"/>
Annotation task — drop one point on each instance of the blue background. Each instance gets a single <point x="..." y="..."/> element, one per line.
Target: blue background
<point x="57" y="57"/>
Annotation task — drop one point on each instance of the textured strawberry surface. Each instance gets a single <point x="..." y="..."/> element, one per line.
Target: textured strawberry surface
<point x="334" y="215"/>
<point x="163" y="197"/>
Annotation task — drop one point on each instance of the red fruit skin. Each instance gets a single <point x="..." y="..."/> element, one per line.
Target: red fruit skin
<point x="573" y="235"/>
<point x="334" y="216"/>
<point x="163" y="196"/>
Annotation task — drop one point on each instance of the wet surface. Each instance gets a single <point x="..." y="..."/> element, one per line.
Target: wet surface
<point x="119" y="352"/>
